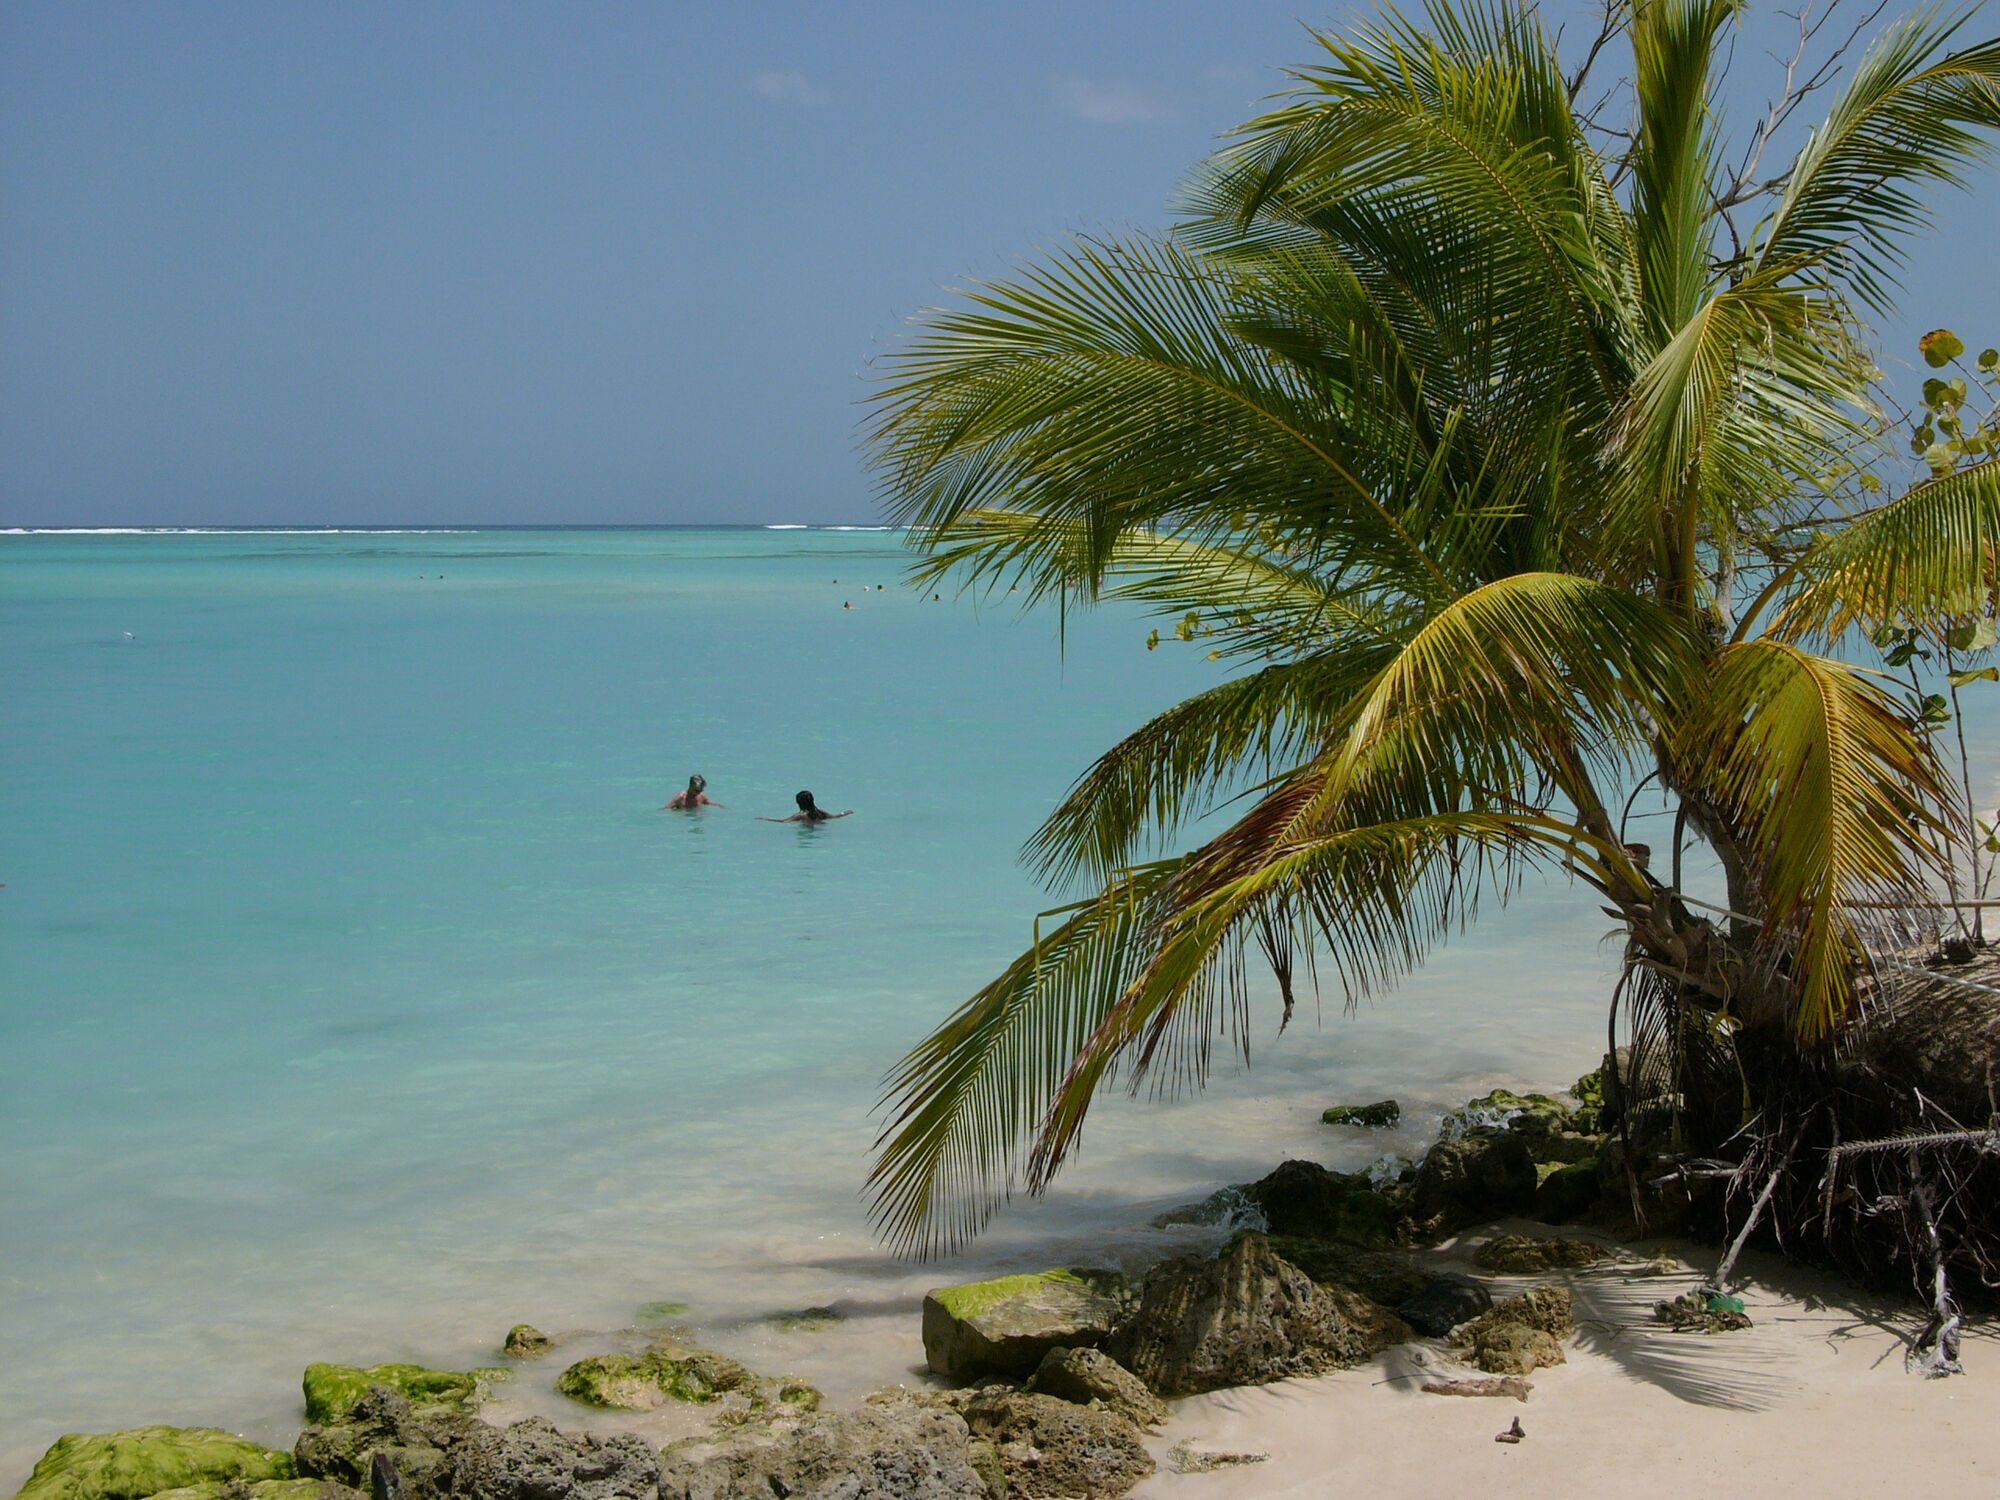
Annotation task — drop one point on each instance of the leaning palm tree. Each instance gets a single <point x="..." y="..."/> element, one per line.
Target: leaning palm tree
<point x="1515" y="460"/>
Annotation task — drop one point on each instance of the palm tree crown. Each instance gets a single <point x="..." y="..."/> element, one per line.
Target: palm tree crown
<point x="1511" y="466"/>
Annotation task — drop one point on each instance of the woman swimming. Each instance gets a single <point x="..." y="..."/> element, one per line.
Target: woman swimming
<point x="809" y="812"/>
<point x="695" y="796"/>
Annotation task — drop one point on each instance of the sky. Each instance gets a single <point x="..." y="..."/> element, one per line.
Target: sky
<point x="372" y="264"/>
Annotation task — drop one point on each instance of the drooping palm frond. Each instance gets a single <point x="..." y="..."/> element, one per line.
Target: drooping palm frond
<point x="1836" y="792"/>
<point x="1911" y="116"/>
<point x="1933" y="551"/>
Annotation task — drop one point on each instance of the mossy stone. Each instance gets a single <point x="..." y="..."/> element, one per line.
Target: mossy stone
<point x="331" y="1390"/>
<point x="1004" y="1326"/>
<point x="525" y="1341"/>
<point x="141" y="1461"/>
<point x="263" y="1489"/>
<point x="1387" y="1112"/>
<point x="656" y="1314"/>
<point x="667" y="1371"/>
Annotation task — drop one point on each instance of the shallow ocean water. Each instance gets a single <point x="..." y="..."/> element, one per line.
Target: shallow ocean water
<point x="357" y="1000"/>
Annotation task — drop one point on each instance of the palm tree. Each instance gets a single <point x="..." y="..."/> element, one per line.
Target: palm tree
<point x="1516" y="461"/>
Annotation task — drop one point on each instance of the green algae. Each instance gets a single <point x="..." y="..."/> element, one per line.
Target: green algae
<point x="636" y="1382"/>
<point x="970" y="1299"/>
<point x="331" y="1390"/>
<point x="142" y="1461"/>
<point x="1387" y="1112"/>
<point x="653" y="1314"/>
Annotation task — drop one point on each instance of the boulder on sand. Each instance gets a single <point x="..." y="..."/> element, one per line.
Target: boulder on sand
<point x="1005" y="1326"/>
<point x="140" y="1461"/>
<point x="1486" y="1174"/>
<point x="1520" y="1254"/>
<point x="1245" y="1318"/>
<point x="1443" y="1304"/>
<point x="900" y="1451"/>
<point x="1051" y="1447"/>
<point x="1087" y="1375"/>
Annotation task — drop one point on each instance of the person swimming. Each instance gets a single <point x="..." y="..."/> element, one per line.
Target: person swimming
<point x="809" y="812"/>
<point x="696" y="795"/>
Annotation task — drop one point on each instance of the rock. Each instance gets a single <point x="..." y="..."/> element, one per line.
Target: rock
<point x="1505" y="1109"/>
<point x="1478" y="1385"/>
<point x="1185" y="1458"/>
<point x="1087" y="1375"/>
<point x="1005" y="1326"/>
<point x="531" y="1460"/>
<point x="659" y="1314"/>
<point x="1443" y="1304"/>
<point x="666" y="1370"/>
<point x="891" y="1451"/>
<point x="1521" y="1255"/>
<point x="141" y="1461"/>
<point x="525" y="1341"/>
<point x="381" y="1422"/>
<point x="332" y="1390"/>
<point x="264" y="1489"/>
<point x="806" y="1319"/>
<point x="1388" y="1112"/>
<point x="1546" y="1308"/>
<point x="1514" y="1349"/>
<point x="1567" y="1193"/>
<point x="1304" y="1199"/>
<point x="1229" y="1208"/>
<point x="1245" y="1318"/>
<point x="1379" y="1275"/>
<point x="1050" y="1447"/>
<point x="1489" y="1174"/>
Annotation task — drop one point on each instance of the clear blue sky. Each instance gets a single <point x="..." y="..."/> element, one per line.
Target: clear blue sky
<point x="361" y="263"/>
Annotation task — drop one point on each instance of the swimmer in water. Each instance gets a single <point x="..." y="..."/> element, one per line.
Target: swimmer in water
<point x="696" y="795"/>
<point x="809" y="812"/>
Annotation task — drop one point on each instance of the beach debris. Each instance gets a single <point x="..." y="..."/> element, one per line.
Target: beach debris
<point x="525" y="1341"/>
<point x="1481" y="1385"/>
<point x="1522" y="1254"/>
<point x="140" y="1461"/>
<point x="1514" y="1433"/>
<point x="1444" y="1303"/>
<point x="1085" y="1376"/>
<point x="1005" y="1326"/>
<point x="1246" y="1317"/>
<point x="1303" y="1198"/>
<point x="1374" y="1116"/>
<point x="1185" y="1458"/>
<point x="1702" y="1311"/>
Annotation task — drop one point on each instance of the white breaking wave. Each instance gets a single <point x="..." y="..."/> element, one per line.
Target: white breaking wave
<point x="787" y="526"/>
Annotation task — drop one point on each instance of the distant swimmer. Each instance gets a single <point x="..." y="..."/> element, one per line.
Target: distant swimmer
<point x="809" y="812"/>
<point x="695" y="796"/>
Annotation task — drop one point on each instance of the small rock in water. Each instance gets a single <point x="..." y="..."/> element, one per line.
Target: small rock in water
<point x="1387" y="1112"/>
<point x="525" y="1341"/>
<point x="806" y="1319"/>
<point x="1481" y="1385"/>
<point x="1005" y="1326"/>
<point x="654" y="1314"/>
<point x="1185" y="1458"/>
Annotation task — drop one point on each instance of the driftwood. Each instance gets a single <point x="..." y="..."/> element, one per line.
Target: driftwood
<point x="1482" y="1385"/>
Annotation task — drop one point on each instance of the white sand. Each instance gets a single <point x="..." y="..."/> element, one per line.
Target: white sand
<point x="1813" y="1401"/>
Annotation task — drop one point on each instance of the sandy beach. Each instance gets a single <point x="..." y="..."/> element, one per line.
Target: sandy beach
<point x="1812" y="1400"/>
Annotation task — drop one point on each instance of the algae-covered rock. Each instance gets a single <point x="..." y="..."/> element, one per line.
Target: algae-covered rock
<point x="904" y="1450"/>
<point x="1305" y="1200"/>
<point x="1386" y="1112"/>
<point x="412" y="1440"/>
<point x="531" y="1460"/>
<point x="264" y="1489"/>
<point x="1087" y="1375"/>
<point x="1489" y="1174"/>
<point x="667" y="1370"/>
<point x="806" y="1319"/>
<point x="1245" y="1318"/>
<point x="331" y="1390"/>
<point x="1521" y="1254"/>
<point x="1443" y="1303"/>
<point x="1505" y="1109"/>
<point x="1515" y="1349"/>
<point x="141" y="1461"/>
<point x="1547" y="1308"/>
<point x="659" y="1314"/>
<point x="1005" y="1326"/>
<point x="1051" y="1447"/>
<point x="1566" y="1194"/>
<point x="525" y="1341"/>
<point x="1380" y="1275"/>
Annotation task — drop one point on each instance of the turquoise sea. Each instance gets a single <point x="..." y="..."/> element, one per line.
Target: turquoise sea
<point x="358" y="1001"/>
